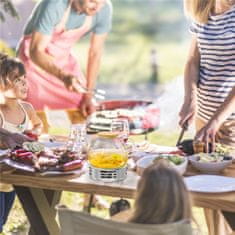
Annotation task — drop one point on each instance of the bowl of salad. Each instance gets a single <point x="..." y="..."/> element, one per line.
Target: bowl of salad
<point x="210" y="162"/>
<point x="176" y="161"/>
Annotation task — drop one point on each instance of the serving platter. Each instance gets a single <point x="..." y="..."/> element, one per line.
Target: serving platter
<point x="43" y="158"/>
<point x="31" y="169"/>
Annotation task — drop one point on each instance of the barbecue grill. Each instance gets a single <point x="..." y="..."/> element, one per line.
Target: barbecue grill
<point x="143" y="116"/>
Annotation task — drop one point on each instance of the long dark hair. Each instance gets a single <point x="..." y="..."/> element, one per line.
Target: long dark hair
<point x="10" y="69"/>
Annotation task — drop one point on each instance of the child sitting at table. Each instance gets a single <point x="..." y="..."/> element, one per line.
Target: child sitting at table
<point x="16" y="116"/>
<point x="161" y="197"/>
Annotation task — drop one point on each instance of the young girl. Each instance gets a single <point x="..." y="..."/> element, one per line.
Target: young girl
<point x="16" y="116"/>
<point x="161" y="198"/>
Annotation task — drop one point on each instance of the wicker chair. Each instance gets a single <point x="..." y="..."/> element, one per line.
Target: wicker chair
<point x="80" y="223"/>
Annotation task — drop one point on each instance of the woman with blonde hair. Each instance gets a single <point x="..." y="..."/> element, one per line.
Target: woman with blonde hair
<point x="210" y="81"/>
<point x="161" y="198"/>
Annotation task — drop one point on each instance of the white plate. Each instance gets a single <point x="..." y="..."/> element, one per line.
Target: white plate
<point x="210" y="183"/>
<point x="53" y="144"/>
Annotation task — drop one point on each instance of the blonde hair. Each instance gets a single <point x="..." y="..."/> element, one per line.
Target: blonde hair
<point x="162" y="197"/>
<point x="199" y="10"/>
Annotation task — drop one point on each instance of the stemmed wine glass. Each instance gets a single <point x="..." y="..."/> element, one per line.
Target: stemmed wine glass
<point x="122" y="127"/>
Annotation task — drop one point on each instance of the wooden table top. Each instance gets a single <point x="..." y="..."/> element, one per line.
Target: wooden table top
<point x="82" y="183"/>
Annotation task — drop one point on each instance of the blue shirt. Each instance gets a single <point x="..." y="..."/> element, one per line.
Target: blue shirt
<point x="48" y="13"/>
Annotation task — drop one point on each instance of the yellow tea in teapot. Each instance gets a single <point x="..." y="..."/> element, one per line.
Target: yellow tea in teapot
<point x="107" y="158"/>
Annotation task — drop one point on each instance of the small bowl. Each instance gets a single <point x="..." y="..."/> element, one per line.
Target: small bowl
<point x="210" y="167"/>
<point x="145" y="162"/>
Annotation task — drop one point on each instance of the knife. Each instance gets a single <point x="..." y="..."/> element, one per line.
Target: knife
<point x="184" y="128"/>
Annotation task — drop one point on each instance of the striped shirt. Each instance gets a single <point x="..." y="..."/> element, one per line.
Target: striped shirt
<point x="216" y="43"/>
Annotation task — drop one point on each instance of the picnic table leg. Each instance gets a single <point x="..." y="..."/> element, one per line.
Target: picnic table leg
<point x="90" y="198"/>
<point x="230" y="217"/>
<point x="39" y="206"/>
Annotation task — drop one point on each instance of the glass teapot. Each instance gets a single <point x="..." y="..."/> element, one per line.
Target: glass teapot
<point x="106" y="151"/>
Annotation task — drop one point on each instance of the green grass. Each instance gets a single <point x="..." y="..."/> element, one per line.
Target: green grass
<point x="117" y="67"/>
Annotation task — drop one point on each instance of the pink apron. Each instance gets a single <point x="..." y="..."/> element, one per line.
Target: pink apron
<point x="46" y="90"/>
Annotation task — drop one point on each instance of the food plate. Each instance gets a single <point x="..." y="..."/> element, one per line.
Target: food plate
<point x="210" y="184"/>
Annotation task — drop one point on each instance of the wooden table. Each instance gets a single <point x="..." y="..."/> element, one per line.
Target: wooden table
<point x="40" y="194"/>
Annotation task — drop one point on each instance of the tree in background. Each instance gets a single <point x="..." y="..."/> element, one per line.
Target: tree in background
<point x="7" y="7"/>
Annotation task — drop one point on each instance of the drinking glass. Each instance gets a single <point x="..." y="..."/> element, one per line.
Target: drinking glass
<point x="77" y="137"/>
<point x="122" y="127"/>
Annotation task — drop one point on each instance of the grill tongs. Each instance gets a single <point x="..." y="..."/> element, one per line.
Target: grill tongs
<point x="97" y="93"/>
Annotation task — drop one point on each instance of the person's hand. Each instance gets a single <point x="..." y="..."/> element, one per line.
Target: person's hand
<point x="87" y="106"/>
<point x="207" y="134"/>
<point x="72" y="83"/>
<point x="12" y="140"/>
<point x="187" y="113"/>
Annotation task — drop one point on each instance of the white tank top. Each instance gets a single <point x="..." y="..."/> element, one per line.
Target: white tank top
<point x="20" y="128"/>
